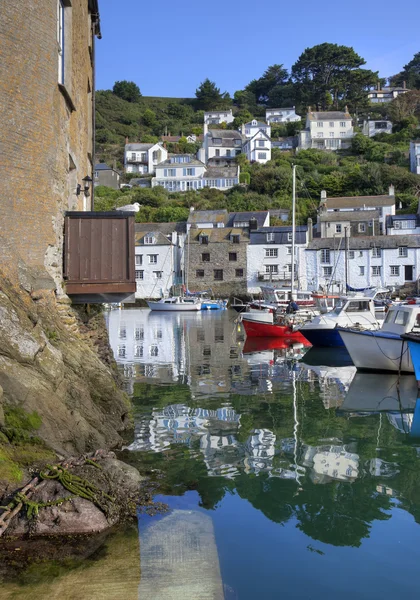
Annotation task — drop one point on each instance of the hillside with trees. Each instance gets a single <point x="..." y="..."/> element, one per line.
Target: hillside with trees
<point x="325" y="77"/>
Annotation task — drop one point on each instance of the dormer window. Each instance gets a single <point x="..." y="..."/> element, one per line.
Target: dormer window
<point x="204" y="239"/>
<point x="254" y="122"/>
<point x="217" y="141"/>
<point x="270" y="237"/>
<point x="235" y="238"/>
<point x="149" y="239"/>
<point x="237" y="142"/>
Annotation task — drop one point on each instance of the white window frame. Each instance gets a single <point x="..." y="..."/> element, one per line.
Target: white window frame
<point x="157" y="274"/>
<point x="270" y="237"/>
<point x="376" y="252"/>
<point x="61" y="41"/>
<point x="327" y="271"/>
<point x="139" y="274"/>
<point x="139" y="260"/>
<point x="361" y="270"/>
<point x="271" y="252"/>
<point x="376" y="271"/>
<point x="402" y="252"/>
<point x="362" y="228"/>
<point x="149" y="239"/>
<point x="325" y="257"/>
<point x="153" y="258"/>
<point x="394" y="270"/>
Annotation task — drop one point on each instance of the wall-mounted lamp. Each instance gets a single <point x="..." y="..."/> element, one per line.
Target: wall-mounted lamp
<point x="78" y="189"/>
<point x="87" y="181"/>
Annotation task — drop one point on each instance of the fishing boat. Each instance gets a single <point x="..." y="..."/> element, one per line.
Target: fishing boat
<point x="175" y="303"/>
<point x="285" y="327"/>
<point x="351" y="311"/>
<point x="413" y="341"/>
<point x="384" y="349"/>
<point x="253" y="314"/>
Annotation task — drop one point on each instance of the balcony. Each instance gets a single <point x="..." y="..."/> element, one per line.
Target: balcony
<point x="138" y="160"/>
<point x="279" y="276"/>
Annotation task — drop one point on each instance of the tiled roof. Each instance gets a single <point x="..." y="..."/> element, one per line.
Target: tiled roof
<point x="259" y="237"/>
<point x="238" y="217"/>
<point x="349" y="215"/>
<point x="329" y="116"/>
<point x="218" y="234"/>
<point x="133" y="147"/>
<point x="221" y="172"/>
<point x="360" y="201"/>
<point x="367" y="242"/>
<point x="208" y="216"/>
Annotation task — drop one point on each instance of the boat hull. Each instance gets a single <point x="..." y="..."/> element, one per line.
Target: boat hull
<point x="173" y="307"/>
<point x="213" y="305"/>
<point x="323" y="337"/>
<point x="261" y="329"/>
<point x="377" y="351"/>
<point x="414" y="348"/>
<point x="261" y="317"/>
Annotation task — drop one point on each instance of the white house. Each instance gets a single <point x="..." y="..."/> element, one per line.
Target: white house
<point x="330" y="130"/>
<point x="258" y="147"/>
<point x="386" y="94"/>
<point x="180" y="173"/>
<point x="215" y="117"/>
<point x="284" y="143"/>
<point x="415" y="156"/>
<point x="269" y="257"/>
<point x="371" y="261"/>
<point x="157" y="260"/>
<point x="372" y="127"/>
<point x="222" y="178"/>
<point x="281" y="115"/>
<point x="143" y="158"/>
<point x="354" y="215"/>
<point x="248" y="130"/>
<point x="220" y="145"/>
<point x="406" y="224"/>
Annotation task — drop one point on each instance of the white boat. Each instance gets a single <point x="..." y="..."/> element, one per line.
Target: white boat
<point x="176" y="303"/>
<point x="254" y="314"/>
<point x="384" y="350"/>
<point x="350" y="312"/>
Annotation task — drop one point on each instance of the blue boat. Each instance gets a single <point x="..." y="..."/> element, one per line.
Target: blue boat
<point x="413" y="341"/>
<point x="213" y="304"/>
<point x="350" y="311"/>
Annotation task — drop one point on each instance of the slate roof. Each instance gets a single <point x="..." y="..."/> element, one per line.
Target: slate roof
<point x="134" y="147"/>
<point x="329" y="116"/>
<point x="221" y="172"/>
<point x="367" y="242"/>
<point x="360" y="201"/>
<point x="258" y="124"/>
<point x="238" y="217"/>
<point x="161" y="239"/>
<point x="392" y="218"/>
<point x="227" y="136"/>
<point x="164" y="228"/>
<point x="267" y="110"/>
<point x="259" y="237"/>
<point x="349" y="215"/>
<point x="218" y="234"/>
<point x="193" y="162"/>
<point x="218" y="112"/>
<point x="102" y="167"/>
<point x="208" y="216"/>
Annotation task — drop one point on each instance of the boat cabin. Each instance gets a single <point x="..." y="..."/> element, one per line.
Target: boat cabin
<point x="280" y="296"/>
<point x="402" y="319"/>
<point x="355" y="306"/>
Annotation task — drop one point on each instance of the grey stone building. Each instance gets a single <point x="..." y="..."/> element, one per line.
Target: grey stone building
<point x="105" y="175"/>
<point x="217" y="259"/>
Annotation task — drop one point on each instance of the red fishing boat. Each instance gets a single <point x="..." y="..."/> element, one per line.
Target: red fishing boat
<point x="260" y="344"/>
<point x="277" y="330"/>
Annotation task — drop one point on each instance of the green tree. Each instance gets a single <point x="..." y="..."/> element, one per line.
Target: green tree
<point x="245" y="100"/>
<point x="325" y="71"/>
<point x="209" y="97"/>
<point x="274" y="76"/>
<point x="405" y="106"/>
<point x="149" y="117"/>
<point x="241" y="117"/>
<point x="410" y="74"/>
<point x="127" y="90"/>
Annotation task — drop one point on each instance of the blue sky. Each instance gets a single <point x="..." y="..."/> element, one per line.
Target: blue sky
<point x="169" y="47"/>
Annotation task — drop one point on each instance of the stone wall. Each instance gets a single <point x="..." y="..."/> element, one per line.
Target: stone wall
<point x="219" y="248"/>
<point x="45" y="130"/>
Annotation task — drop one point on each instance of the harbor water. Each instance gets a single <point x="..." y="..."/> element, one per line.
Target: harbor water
<point x="286" y="473"/>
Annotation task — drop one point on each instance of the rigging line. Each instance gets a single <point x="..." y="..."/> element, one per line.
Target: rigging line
<point x="164" y="262"/>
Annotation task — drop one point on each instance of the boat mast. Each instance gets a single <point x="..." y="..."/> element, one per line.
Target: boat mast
<point x="293" y="229"/>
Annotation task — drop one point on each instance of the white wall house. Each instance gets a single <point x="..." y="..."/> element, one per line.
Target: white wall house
<point x="248" y="130"/>
<point x="215" y="117"/>
<point x="281" y="115"/>
<point x="269" y="257"/>
<point x="403" y="224"/>
<point x="386" y="94"/>
<point x="220" y="144"/>
<point x="180" y="173"/>
<point x="155" y="261"/>
<point x="372" y="261"/>
<point x="361" y="215"/>
<point x="143" y="158"/>
<point x="258" y="147"/>
<point x="415" y="157"/>
<point x="326" y="131"/>
<point x="372" y="127"/>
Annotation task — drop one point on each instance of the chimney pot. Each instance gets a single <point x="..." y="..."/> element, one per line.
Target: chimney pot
<point x="323" y="195"/>
<point x="391" y="190"/>
<point x="310" y="230"/>
<point x="404" y="84"/>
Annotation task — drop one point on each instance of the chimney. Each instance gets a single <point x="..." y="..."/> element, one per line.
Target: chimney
<point x="346" y="109"/>
<point x="191" y="209"/>
<point x="114" y="164"/>
<point x="391" y="190"/>
<point x="378" y="86"/>
<point x="126" y="139"/>
<point x="323" y="195"/>
<point x="243" y="128"/>
<point x="253" y="224"/>
<point x="310" y="230"/>
<point x="404" y="85"/>
<point x="205" y="129"/>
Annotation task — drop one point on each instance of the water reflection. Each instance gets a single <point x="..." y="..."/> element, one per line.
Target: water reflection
<point x="209" y="356"/>
<point x="299" y="435"/>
